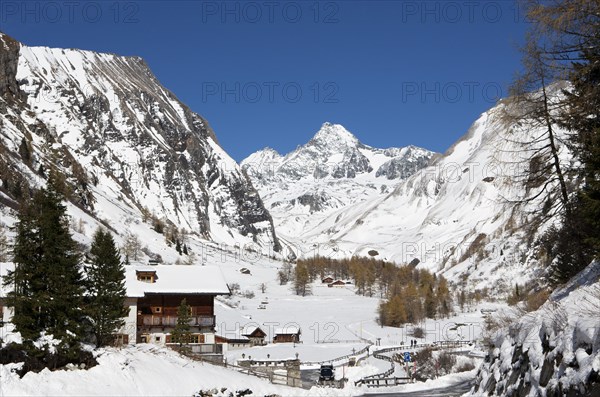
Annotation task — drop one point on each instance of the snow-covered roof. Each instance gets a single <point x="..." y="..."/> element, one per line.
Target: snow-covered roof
<point x="289" y="330"/>
<point x="250" y="329"/>
<point x="234" y="338"/>
<point x="176" y="279"/>
<point x="170" y="279"/>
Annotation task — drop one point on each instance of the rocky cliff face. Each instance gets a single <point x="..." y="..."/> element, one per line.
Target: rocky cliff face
<point x="9" y="54"/>
<point x="116" y="134"/>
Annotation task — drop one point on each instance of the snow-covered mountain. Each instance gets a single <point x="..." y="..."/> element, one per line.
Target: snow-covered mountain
<point x="470" y="213"/>
<point x="126" y="145"/>
<point x="333" y="170"/>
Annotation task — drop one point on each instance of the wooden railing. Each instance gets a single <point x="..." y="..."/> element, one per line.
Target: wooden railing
<point x="150" y="320"/>
<point x="197" y="348"/>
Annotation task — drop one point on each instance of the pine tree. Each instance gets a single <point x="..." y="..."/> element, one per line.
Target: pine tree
<point x="462" y="299"/>
<point x="132" y="247"/>
<point x="285" y="273"/>
<point x="25" y="151"/>
<point x="443" y="297"/>
<point x="569" y="33"/>
<point x="185" y="249"/>
<point x="533" y="107"/>
<point x="3" y="244"/>
<point x="181" y="333"/>
<point x="26" y="280"/>
<point x="106" y="288"/>
<point x="47" y="285"/>
<point x="430" y="304"/>
<point x="178" y="246"/>
<point x="61" y="260"/>
<point x="412" y="303"/>
<point x="301" y="280"/>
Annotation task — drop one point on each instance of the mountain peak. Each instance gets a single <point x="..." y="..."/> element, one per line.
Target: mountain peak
<point x="336" y="135"/>
<point x="261" y="158"/>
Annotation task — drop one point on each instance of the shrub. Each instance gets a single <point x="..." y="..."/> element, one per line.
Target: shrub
<point x="36" y="359"/>
<point x="446" y="362"/>
<point x="418" y="332"/>
<point x="465" y="367"/>
<point x="431" y="364"/>
<point x="234" y="288"/>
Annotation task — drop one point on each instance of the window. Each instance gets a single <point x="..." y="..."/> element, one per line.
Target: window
<point x="157" y="309"/>
<point x="121" y="339"/>
<point x="194" y="338"/>
<point x="157" y="339"/>
<point x="146" y="276"/>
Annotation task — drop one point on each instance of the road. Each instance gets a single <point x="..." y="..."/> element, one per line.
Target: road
<point x="451" y="391"/>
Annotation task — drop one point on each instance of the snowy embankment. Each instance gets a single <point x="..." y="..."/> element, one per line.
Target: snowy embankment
<point x="553" y="351"/>
<point x="146" y="370"/>
<point x="135" y="371"/>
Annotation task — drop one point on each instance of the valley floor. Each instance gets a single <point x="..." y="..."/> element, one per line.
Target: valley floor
<point x="334" y="322"/>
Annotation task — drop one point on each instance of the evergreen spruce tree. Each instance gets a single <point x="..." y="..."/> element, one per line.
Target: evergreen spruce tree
<point x="4" y="246"/>
<point x="181" y="333"/>
<point x="47" y="285"/>
<point x="178" y="246"/>
<point x="26" y="281"/>
<point x="185" y="249"/>
<point x="60" y="260"/>
<point x="430" y="303"/>
<point x="106" y="288"/>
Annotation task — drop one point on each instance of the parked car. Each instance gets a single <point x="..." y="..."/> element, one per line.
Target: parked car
<point x="327" y="373"/>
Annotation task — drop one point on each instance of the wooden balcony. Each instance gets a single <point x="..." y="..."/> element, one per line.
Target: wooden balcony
<point x="153" y="320"/>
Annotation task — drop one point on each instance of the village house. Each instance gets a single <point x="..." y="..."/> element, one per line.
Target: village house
<point x="289" y="334"/>
<point x="154" y="294"/>
<point x="245" y="336"/>
<point x="327" y="280"/>
<point x="255" y="335"/>
<point x="232" y="343"/>
<point x="337" y="283"/>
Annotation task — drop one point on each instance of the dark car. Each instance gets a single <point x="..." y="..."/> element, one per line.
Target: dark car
<point x="327" y="373"/>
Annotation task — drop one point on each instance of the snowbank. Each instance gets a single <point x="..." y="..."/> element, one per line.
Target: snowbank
<point x="552" y="351"/>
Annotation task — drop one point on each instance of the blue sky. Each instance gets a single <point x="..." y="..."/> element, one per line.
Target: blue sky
<point x="269" y="73"/>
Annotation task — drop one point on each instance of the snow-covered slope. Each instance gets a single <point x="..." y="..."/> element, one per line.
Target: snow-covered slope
<point x="137" y="371"/>
<point x="125" y="144"/>
<point x="333" y="170"/>
<point x="470" y="213"/>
